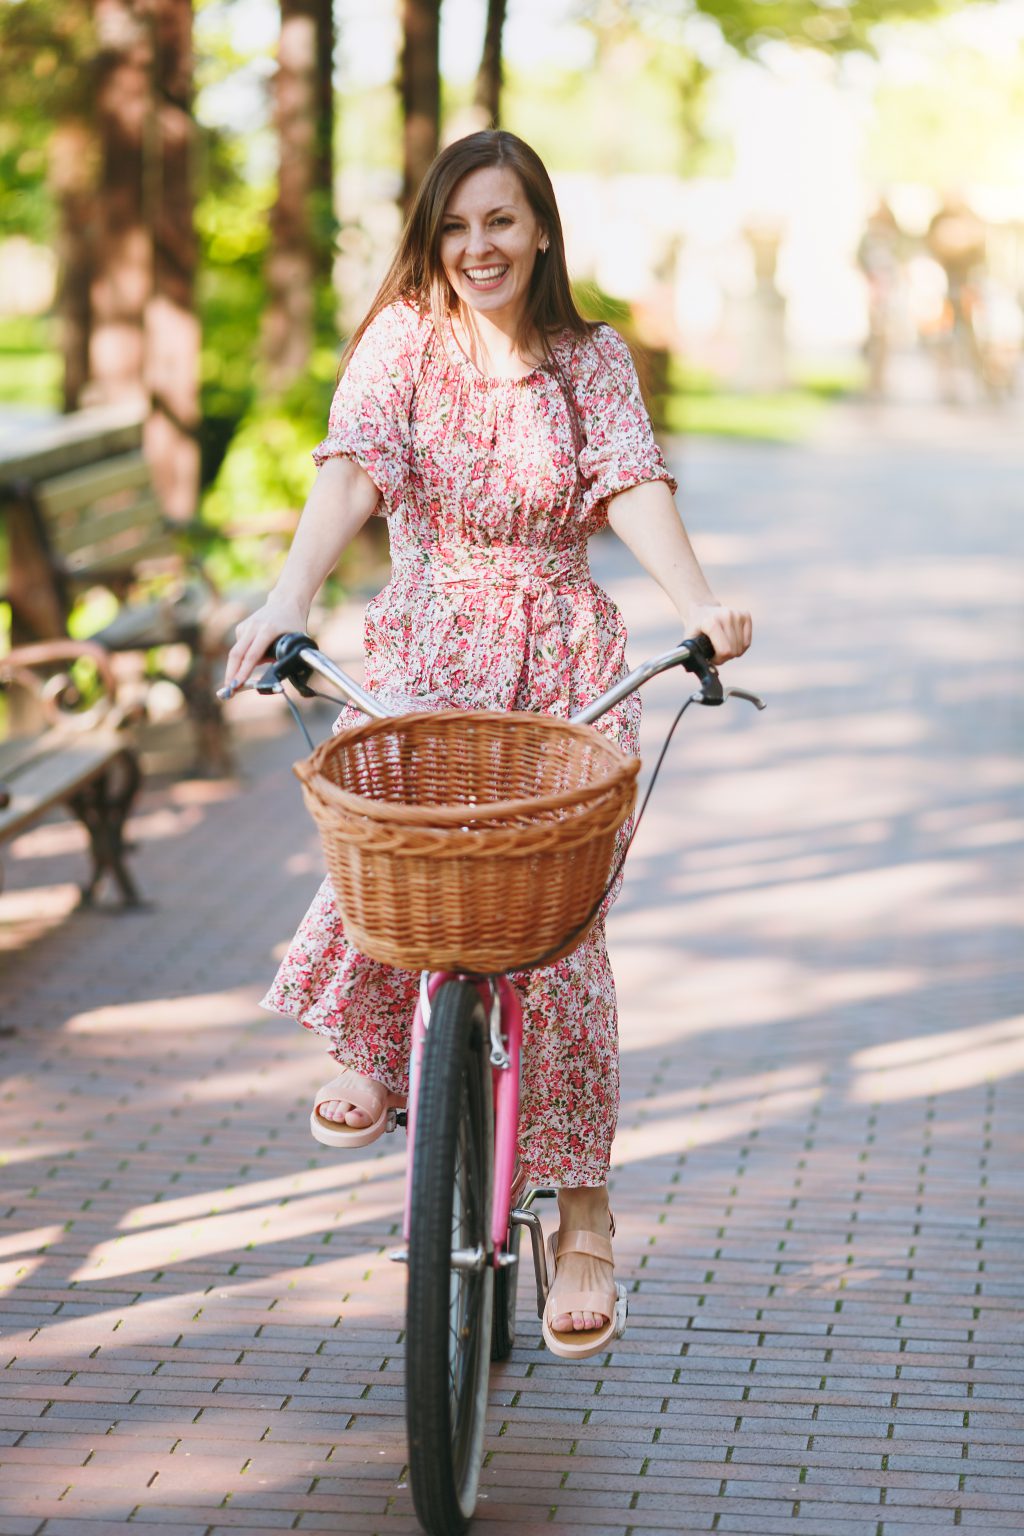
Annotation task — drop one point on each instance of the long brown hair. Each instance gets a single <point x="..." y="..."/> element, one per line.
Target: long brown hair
<point x="417" y="276"/>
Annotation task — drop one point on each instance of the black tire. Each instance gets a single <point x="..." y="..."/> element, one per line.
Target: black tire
<point x="449" y="1311"/>
<point x="503" y="1334"/>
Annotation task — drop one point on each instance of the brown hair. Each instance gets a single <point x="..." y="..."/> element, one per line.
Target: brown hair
<point x="417" y="276"/>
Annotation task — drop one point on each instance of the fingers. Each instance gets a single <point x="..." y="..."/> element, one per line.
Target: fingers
<point x="730" y="631"/>
<point x="254" y="638"/>
<point x="242" y="658"/>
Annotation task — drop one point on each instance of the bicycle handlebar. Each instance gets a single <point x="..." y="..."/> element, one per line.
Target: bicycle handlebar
<point x="296" y="658"/>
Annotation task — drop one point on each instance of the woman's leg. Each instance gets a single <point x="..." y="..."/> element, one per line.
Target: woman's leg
<point x="583" y="1210"/>
<point x="570" y="1104"/>
<point x="362" y="1008"/>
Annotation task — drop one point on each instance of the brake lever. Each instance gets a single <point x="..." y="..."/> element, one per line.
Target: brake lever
<point x="741" y="693"/>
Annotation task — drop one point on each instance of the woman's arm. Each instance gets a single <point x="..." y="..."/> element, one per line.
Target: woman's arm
<point x="343" y="497"/>
<point x="646" y="520"/>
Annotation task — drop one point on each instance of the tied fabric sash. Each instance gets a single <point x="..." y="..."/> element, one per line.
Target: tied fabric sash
<point x="512" y="591"/>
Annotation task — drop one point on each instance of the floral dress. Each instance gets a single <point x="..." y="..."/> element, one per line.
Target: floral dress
<point x="491" y="605"/>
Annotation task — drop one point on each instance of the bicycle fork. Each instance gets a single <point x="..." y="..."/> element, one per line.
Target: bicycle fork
<point x="511" y="1200"/>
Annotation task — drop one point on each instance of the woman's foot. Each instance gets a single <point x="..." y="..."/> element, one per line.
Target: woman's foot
<point x="353" y="1111"/>
<point x="583" y="1210"/>
<point x="344" y="1112"/>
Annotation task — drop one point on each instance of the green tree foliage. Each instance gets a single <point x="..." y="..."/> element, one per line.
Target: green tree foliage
<point x="47" y="52"/>
<point x="746" y="25"/>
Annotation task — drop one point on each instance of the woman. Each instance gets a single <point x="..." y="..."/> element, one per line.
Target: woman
<point x="497" y="430"/>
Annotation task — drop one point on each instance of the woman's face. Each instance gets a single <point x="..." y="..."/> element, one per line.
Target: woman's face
<point x="490" y="238"/>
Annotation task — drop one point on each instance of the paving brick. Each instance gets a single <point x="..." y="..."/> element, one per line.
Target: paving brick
<point x="817" y="1170"/>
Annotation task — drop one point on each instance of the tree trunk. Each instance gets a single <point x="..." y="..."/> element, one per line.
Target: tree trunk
<point x="324" y="221"/>
<point x="123" y="271"/>
<point x="487" y="97"/>
<point x="421" y="91"/>
<point x="291" y="269"/>
<point x="172" y="326"/>
<point x="71" y="169"/>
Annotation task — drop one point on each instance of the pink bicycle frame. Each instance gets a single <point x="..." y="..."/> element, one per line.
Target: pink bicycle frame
<point x="500" y="993"/>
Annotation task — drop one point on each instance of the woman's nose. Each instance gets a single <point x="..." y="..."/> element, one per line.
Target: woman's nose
<point x="478" y="242"/>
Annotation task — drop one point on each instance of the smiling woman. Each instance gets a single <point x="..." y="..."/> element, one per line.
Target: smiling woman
<point x="497" y="430"/>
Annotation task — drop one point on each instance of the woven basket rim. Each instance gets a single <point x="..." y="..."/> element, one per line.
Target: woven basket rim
<point x="508" y="841"/>
<point x="309" y="772"/>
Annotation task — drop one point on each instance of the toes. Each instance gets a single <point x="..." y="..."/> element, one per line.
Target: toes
<point x="577" y="1322"/>
<point x="339" y="1110"/>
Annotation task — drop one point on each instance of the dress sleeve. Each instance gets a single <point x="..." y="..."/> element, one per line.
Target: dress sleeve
<point x="369" y="417"/>
<point x="619" y="449"/>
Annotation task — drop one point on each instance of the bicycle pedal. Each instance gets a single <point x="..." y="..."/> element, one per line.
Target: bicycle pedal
<point x="393" y="1119"/>
<point x="402" y="1118"/>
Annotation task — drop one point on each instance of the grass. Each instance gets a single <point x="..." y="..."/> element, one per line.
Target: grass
<point x="30" y="367"/>
<point x="698" y="403"/>
<point x="789" y="417"/>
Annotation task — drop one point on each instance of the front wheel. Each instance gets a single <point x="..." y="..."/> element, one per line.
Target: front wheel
<point x="451" y="1286"/>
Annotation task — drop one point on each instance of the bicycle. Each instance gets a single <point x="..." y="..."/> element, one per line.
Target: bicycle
<point x="466" y="1202"/>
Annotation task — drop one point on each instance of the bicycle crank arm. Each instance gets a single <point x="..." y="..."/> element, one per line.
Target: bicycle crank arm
<point x="531" y="1221"/>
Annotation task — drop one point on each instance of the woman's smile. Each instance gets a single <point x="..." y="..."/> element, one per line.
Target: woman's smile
<point x="486" y="278"/>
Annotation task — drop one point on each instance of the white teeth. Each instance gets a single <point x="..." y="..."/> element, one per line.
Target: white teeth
<point x="484" y="274"/>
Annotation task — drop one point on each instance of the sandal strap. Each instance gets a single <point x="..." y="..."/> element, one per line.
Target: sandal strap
<point x="353" y="1089"/>
<point x="579" y="1241"/>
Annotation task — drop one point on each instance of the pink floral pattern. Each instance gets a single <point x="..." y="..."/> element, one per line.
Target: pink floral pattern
<point x="490" y="606"/>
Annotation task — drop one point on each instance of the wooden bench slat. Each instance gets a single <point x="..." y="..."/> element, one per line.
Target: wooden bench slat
<point x="125" y="558"/>
<point x="83" y="486"/>
<point x="61" y="766"/>
<point x="104" y="524"/>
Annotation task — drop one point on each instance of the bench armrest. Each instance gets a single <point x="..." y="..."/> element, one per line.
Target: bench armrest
<point x="42" y="670"/>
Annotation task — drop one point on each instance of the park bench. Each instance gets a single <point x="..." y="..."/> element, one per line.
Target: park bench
<point x="78" y="756"/>
<point x="81" y="512"/>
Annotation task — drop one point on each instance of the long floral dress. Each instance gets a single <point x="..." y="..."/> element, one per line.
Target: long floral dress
<point x="490" y="606"/>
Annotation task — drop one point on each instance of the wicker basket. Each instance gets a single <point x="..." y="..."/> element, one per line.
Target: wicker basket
<point x="468" y="840"/>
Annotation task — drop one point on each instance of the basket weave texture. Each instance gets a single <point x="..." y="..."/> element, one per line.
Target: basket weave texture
<point x="471" y="840"/>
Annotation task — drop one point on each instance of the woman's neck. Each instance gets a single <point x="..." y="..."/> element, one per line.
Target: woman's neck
<point x="491" y="348"/>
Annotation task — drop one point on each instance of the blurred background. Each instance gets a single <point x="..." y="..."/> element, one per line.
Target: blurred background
<point x="790" y="208"/>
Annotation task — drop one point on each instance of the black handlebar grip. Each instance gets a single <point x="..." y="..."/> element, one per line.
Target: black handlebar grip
<point x="705" y="646"/>
<point x="290" y="645"/>
<point x="288" y="666"/>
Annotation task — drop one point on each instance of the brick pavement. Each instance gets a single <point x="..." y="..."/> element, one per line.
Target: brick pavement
<point x="816" y="1185"/>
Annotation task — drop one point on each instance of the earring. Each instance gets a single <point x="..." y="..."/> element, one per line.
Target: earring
<point x="544" y="246"/>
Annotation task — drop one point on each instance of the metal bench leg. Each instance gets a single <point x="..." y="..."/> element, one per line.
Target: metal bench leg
<point x="103" y="807"/>
<point x="214" y="756"/>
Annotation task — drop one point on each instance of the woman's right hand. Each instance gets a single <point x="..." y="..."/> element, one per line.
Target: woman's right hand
<point x="256" y="635"/>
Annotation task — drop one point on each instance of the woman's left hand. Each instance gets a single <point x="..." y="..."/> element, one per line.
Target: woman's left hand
<point x="728" y="629"/>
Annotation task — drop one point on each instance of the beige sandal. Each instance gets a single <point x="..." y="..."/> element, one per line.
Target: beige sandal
<point x="364" y="1094"/>
<point x="580" y="1344"/>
